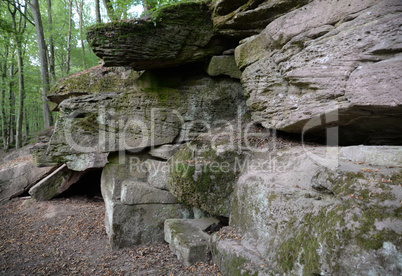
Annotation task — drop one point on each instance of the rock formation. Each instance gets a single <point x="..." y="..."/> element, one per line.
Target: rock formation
<point x="174" y="35"/>
<point x="18" y="173"/>
<point x="186" y="138"/>
<point x="329" y="58"/>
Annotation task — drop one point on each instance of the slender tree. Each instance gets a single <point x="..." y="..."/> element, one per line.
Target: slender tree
<point x="19" y="26"/>
<point x="51" y="44"/>
<point x="80" y="7"/>
<point x="11" y="100"/>
<point x="4" y="127"/>
<point x="70" y="11"/>
<point x="47" y="118"/>
<point x="97" y="12"/>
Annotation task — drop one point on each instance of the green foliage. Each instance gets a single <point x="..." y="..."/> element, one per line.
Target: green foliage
<point x="33" y="119"/>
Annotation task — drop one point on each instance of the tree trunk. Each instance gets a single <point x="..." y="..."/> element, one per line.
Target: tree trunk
<point x="109" y="10"/>
<point x="3" y="97"/>
<point x="51" y="45"/>
<point x="27" y="123"/>
<point x="47" y="118"/>
<point x="19" y="30"/>
<point x="21" y="96"/>
<point x="97" y="12"/>
<point x="80" y="7"/>
<point x="70" y="11"/>
<point x="11" y="119"/>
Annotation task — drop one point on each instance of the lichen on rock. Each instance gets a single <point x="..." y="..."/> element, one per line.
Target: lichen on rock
<point x="203" y="175"/>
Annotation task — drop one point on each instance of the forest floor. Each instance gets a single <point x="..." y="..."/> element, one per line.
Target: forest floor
<point x="66" y="236"/>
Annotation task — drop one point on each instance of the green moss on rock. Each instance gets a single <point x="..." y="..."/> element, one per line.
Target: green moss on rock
<point x="204" y="179"/>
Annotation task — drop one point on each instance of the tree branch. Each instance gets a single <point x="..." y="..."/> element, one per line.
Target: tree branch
<point x="19" y="10"/>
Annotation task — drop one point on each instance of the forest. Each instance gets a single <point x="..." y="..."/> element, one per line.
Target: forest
<point x="42" y="42"/>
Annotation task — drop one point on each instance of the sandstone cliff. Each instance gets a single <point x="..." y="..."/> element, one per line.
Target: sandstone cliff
<point x="217" y="124"/>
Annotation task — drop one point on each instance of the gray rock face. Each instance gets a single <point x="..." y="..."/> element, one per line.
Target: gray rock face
<point x="55" y="183"/>
<point x="187" y="239"/>
<point x="235" y="258"/>
<point x="243" y="18"/>
<point x="337" y="59"/>
<point x="135" y="210"/>
<point x="83" y="162"/>
<point x="203" y="173"/>
<point x="157" y="174"/>
<point x="177" y="34"/>
<point x="223" y="65"/>
<point x="18" y="173"/>
<point x="162" y="108"/>
<point x="308" y="212"/>
<point x="165" y="151"/>
<point x="134" y="192"/>
<point x="142" y="224"/>
<point x="371" y="155"/>
<point x="97" y="79"/>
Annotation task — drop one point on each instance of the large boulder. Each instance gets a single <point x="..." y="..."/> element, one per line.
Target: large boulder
<point x="174" y="35"/>
<point x="302" y="210"/>
<point x="203" y="172"/>
<point x="243" y="18"/>
<point x="160" y="108"/>
<point x="136" y="210"/>
<point x="98" y="79"/>
<point x="332" y="60"/>
<point x="18" y="173"/>
<point x="223" y="65"/>
<point x="55" y="183"/>
<point x="188" y="239"/>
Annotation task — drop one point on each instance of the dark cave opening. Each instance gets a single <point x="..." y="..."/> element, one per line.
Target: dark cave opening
<point x="88" y="186"/>
<point x="223" y="221"/>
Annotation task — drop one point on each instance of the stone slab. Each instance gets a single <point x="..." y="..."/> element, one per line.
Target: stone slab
<point x="187" y="239"/>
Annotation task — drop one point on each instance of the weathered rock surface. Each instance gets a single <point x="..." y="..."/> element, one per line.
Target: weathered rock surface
<point x="235" y="258"/>
<point x="55" y="183"/>
<point x="187" y="239"/>
<point x="223" y="65"/>
<point x="337" y="59"/>
<point x="372" y="155"/>
<point x="97" y="79"/>
<point x="160" y="109"/>
<point x="203" y="172"/>
<point x="304" y="211"/>
<point x="18" y="173"/>
<point x="135" y="211"/>
<point x="135" y="192"/>
<point x="177" y="34"/>
<point x="158" y="174"/>
<point x="243" y="18"/>
<point x="165" y="151"/>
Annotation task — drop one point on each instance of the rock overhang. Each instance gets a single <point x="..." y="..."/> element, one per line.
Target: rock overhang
<point x="174" y="35"/>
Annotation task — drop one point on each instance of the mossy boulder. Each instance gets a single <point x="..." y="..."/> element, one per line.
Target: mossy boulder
<point x="159" y="108"/>
<point x="55" y="183"/>
<point x="98" y="79"/>
<point x="304" y="215"/>
<point x="203" y="174"/>
<point x="176" y="34"/>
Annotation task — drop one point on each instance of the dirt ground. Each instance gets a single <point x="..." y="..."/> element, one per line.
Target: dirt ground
<point x="66" y="236"/>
